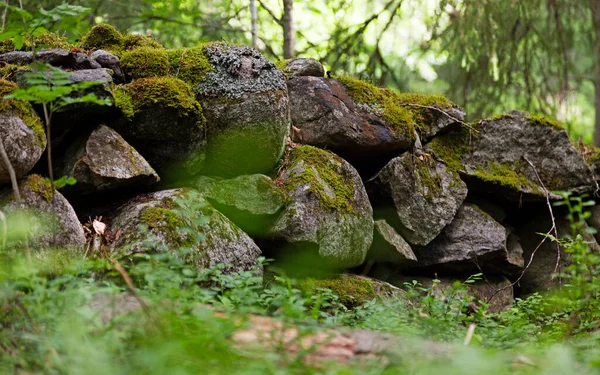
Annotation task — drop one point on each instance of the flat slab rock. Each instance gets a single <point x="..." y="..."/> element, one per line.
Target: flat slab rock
<point x="388" y="246"/>
<point x="105" y="161"/>
<point x="472" y="242"/>
<point x="417" y="196"/>
<point x="495" y="160"/>
<point x="245" y="102"/>
<point x="224" y="242"/>
<point x="328" y="208"/>
<point x="326" y="117"/>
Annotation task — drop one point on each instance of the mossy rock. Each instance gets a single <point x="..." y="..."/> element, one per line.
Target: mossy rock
<point x="164" y="122"/>
<point x="47" y="40"/>
<point x="352" y="290"/>
<point x="133" y="41"/>
<point x="102" y="36"/>
<point x="52" y="222"/>
<point x="493" y="157"/>
<point x="327" y="207"/>
<point x="300" y="67"/>
<point x="209" y="237"/>
<point x="145" y="62"/>
<point x="417" y="196"/>
<point x="189" y="64"/>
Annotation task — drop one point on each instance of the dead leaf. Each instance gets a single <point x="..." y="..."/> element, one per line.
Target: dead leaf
<point x="99" y="227"/>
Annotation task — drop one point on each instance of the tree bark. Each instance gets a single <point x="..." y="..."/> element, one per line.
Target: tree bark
<point x="254" y="15"/>
<point x="595" y="7"/>
<point x="287" y="22"/>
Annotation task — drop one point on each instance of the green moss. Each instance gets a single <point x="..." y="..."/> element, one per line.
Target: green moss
<point x="39" y="185"/>
<point x="322" y="168"/>
<point x="282" y="64"/>
<point x="543" y="120"/>
<point x="7" y="72"/>
<point x="423" y="116"/>
<point x="102" y="36"/>
<point x="167" y="222"/>
<point x="23" y="109"/>
<point x="145" y="62"/>
<point x="381" y="102"/>
<point x="501" y="116"/>
<point x="450" y="148"/>
<point x="133" y="41"/>
<point x="352" y="291"/>
<point x="506" y="175"/>
<point x="46" y="40"/>
<point x="426" y="181"/>
<point x="158" y="92"/>
<point x="189" y="64"/>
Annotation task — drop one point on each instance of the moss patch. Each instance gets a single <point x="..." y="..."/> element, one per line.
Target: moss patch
<point x="427" y="182"/>
<point x="543" y="120"/>
<point x="145" y="62"/>
<point x="506" y="175"/>
<point x="423" y="116"/>
<point x="282" y="64"/>
<point x="167" y="222"/>
<point x="102" y="36"/>
<point x="189" y="64"/>
<point x="352" y="291"/>
<point x="322" y="168"/>
<point x="39" y="185"/>
<point x="501" y="116"/>
<point x="452" y="147"/>
<point x="46" y="40"/>
<point x="165" y="92"/>
<point x="133" y="41"/>
<point x="23" y="109"/>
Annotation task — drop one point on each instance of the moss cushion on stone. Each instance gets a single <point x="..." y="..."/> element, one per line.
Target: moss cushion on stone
<point x="189" y="64"/>
<point x="102" y="36"/>
<point x="133" y="41"/>
<point x="46" y="40"/>
<point x="23" y="109"/>
<point x="145" y="62"/>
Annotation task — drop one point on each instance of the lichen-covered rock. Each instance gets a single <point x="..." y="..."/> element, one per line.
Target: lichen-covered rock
<point x="167" y="221"/>
<point x="417" y="195"/>
<point x="21" y="133"/>
<point x="52" y="222"/>
<point x="252" y="202"/>
<point x="105" y="161"/>
<point x="328" y="118"/>
<point x="328" y="207"/>
<point x="493" y="159"/>
<point x="165" y="123"/>
<point x="473" y="241"/>
<point x="245" y="101"/>
<point x="389" y="247"/>
<point x="301" y="67"/>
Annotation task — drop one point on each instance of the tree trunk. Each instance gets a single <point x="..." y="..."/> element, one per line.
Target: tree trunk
<point x="287" y="22"/>
<point x="254" y="15"/>
<point x="595" y="7"/>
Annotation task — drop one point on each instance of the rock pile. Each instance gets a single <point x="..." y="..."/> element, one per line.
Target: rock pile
<point x="198" y="141"/>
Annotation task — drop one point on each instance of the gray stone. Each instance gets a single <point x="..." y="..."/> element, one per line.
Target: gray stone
<point x="55" y="56"/>
<point x="472" y="242"/>
<point x="17" y="57"/>
<point x="22" y="145"/>
<point x="83" y="61"/>
<point x="328" y="118"/>
<point x="388" y="246"/>
<point x="494" y="160"/>
<point x="303" y="67"/>
<point x="328" y="207"/>
<point x="251" y="201"/>
<point x="52" y="222"/>
<point x="417" y="195"/>
<point x="109" y="61"/>
<point x="105" y="161"/>
<point x="224" y="242"/>
<point x="244" y="99"/>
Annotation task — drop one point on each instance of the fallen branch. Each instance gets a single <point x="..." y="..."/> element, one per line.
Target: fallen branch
<point x="119" y="268"/>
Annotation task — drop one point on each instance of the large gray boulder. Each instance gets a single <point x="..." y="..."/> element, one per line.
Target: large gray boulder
<point x="327" y="117"/>
<point x="417" y="195"/>
<point x="472" y="242"/>
<point x="245" y="101"/>
<point x="174" y="219"/>
<point x="105" y="161"/>
<point x="51" y="222"/>
<point x="252" y="202"/>
<point x="165" y="123"/>
<point x="494" y="159"/>
<point x="328" y="207"/>
<point x="21" y="133"/>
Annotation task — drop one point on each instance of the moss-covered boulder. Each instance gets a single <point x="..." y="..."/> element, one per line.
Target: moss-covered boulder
<point x="22" y="134"/>
<point x="301" y="67"/>
<point x="51" y="221"/>
<point x="327" y="117"/>
<point x="145" y="62"/>
<point x="182" y="222"/>
<point x="328" y="210"/>
<point x="105" y="161"/>
<point x="472" y="242"/>
<point x="417" y="195"/>
<point x="351" y="290"/>
<point x="493" y="158"/>
<point x="244" y="98"/>
<point x="252" y="202"/>
<point x="165" y="123"/>
<point x="389" y="247"/>
<point x="102" y="36"/>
